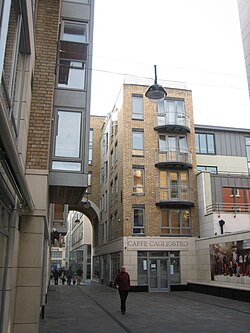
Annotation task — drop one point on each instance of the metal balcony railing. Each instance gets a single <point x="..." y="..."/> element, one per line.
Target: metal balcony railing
<point x="178" y="156"/>
<point x="174" y="193"/>
<point x="222" y="207"/>
<point x="173" y="118"/>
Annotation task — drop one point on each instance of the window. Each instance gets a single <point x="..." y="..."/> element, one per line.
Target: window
<point x="211" y="169"/>
<point x="138" y="179"/>
<point x="172" y="148"/>
<point x="137" y="107"/>
<point x="91" y="134"/>
<point x="175" y="222"/>
<point x="73" y="55"/>
<point x="89" y="189"/>
<point x="67" y="143"/>
<point x="174" y="185"/>
<point x="171" y="112"/>
<point x="138" y="220"/>
<point x="247" y="140"/>
<point x="137" y="142"/>
<point x="204" y="143"/>
<point x="105" y="143"/>
<point x="116" y="152"/>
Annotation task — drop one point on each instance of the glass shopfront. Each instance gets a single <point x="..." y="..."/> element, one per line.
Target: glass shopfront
<point x="158" y="270"/>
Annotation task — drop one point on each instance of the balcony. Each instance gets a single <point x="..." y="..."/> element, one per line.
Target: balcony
<point x="179" y="159"/>
<point x="175" y="196"/>
<point x="173" y="122"/>
<point x="222" y="207"/>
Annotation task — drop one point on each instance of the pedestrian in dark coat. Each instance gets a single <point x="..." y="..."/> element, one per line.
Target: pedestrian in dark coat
<point x="122" y="282"/>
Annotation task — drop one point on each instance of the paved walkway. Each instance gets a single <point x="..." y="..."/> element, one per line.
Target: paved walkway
<point x="96" y="308"/>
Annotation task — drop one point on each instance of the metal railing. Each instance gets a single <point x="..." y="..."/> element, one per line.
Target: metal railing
<point x="174" y="193"/>
<point x="222" y="207"/>
<point x="177" y="155"/>
<point x="173" y="118"/>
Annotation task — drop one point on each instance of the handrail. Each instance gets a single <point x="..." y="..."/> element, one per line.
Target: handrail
<point x="175" y="155"/>
<point x="228" y="208"/>
<point x="173" y="118"/>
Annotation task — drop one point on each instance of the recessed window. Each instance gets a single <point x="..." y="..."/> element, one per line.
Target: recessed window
<point x="138" y="180"/>
<point x="211" y="169"/>
<point x="138" y="221"/>
<point x="174" y="185"/>
<point x="204" y="143"/>
<point x="72" y="55"/>
<point x="137" y="142"/>
<point x="175" y="222"/>
<point x="137" y="107"/>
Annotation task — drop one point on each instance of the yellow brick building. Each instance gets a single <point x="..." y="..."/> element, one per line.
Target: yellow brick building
<point x="148" y="198"/>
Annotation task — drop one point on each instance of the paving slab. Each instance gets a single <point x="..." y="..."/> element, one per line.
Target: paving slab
<point x="96" y="308"/>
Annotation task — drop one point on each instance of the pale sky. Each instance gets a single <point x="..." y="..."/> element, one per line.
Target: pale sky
<point x="193" y="41"/>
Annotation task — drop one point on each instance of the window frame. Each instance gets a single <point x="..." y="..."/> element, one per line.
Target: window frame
<point x="137" y="107"/>
<point x="137" y="187"/>
<point x="198" y="143"/>
<point x="64" y="61"/>
<point x="180" y="222"/>
<point x="74" y="163"/>
<point x="140" y="208"/>
<point x="136" y="151"/>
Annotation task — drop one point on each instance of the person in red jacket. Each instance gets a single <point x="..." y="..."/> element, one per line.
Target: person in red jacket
<point x="122" y="282"/>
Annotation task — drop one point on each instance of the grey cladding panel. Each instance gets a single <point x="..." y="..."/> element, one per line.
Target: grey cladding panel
<point x="68" y="99"/>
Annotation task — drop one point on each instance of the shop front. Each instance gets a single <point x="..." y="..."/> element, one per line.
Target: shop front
<point x="159" y="264"/>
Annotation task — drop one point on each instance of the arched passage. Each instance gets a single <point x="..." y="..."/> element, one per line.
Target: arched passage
<point x="89" y="208"/>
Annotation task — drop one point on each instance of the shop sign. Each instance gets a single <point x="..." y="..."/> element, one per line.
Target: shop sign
<point x="147" y="244"/>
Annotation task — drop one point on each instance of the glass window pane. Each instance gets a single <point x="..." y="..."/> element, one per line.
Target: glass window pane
<point x="163" y="179"/>
<point x="197" y="143"/>
<point x="180" y="106"/>
<point x="67" y="166"/>
<point x="137" y="107"/>
<point x="183" y="144"/>
<point x="73" y="51"/>
<point x="137" y="140"/>
<point x="175" y="223"/>
<point x="185" y="218"/>
<point x="210" y="144"/>
<point x="71" y="74"/>
<point x="75" y="32"/>
<point x="138" y="217"/>
<point x="162" y="143"/>
<point x="164" y="219"/>
<point x="68" y="134"/>
<point x="203" y="144"/>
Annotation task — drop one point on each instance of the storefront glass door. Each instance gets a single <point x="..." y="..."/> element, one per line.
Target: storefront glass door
<point x="158" y="274"/>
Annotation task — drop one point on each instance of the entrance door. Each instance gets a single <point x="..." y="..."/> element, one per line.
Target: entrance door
<point x="158" y="275"/>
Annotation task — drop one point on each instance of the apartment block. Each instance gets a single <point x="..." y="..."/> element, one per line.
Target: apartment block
<point x="148" y="219"/>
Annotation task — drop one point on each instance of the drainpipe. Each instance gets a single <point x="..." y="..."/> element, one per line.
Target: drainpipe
<point x="10" y="161"/>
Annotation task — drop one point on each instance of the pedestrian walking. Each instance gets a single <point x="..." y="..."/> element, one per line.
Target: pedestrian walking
<point x="122" y="282"/>
<point x="79" y="275"/>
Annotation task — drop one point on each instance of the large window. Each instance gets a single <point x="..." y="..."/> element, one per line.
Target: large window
<point x="174" y="185"/>
<point x="67" y="146"/>
<point x="137" y="107"/>
<point x="211" y="169"/>
<point x="171" y="112"/>
<point x="137" y="142"/>
<point x="138" y="180"/>
<point x="138" y="220"/>
<point x="73" y="55"/>
<point x="204" y="143"/>
<point x="175" y="222"/>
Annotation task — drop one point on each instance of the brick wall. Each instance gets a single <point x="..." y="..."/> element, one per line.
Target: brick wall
<point x="46" y="37"/>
